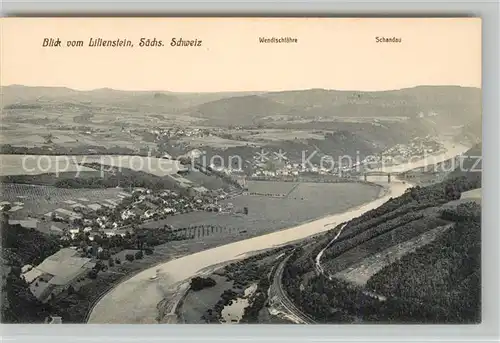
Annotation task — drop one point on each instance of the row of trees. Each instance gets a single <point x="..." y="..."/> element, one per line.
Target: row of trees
<point x="54" y="149"/>
<point x="114" y="177"/>
<point x="363" y="236"/>
<point x="420" y="197"/>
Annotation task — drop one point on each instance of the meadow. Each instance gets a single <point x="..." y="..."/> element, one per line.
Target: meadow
<point x="39" y="164"/>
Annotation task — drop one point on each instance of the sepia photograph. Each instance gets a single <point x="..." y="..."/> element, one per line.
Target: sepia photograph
<point x="241" y="170"/>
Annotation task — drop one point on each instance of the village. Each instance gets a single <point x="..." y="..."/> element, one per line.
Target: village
<point x="95" y="237"/>
<point x="99" y="235"/>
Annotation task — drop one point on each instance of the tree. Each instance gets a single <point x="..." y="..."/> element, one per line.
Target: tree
<point x="71" y="290"/>
<point x="129" y="257"/>
<point x="139" y="255"/>
<point x="99" y="265"/>
<point x="198" y="283"/>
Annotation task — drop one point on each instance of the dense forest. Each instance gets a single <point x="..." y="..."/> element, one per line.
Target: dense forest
<point x="26" y="246"/>
<point x="21" y="246"/>
<point x="437" y="283"/>
<point x="444" y="274"/>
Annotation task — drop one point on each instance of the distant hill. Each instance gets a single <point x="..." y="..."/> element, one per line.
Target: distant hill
<point x="239" y="110"/>
<point x="19" y="94"/>
<point x="418" y="110"/>
<point x="437" y="107"/>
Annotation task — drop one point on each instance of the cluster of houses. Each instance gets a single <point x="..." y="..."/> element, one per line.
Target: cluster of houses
<point x="69" y="267"/>
<point x="417" y="147"/>
<point x="286" y="170"/>
<point x="181" y="132"/>
<point x="141" y="205"/>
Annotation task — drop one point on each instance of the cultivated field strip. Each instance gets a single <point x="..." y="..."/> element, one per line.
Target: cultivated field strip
<point x="361" y="272"/>
<point x="38" y="200"/>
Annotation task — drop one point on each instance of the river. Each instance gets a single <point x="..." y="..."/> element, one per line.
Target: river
<point x="135" y="300"/>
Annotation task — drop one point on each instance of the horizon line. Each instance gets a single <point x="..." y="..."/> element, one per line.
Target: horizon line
<point x="241" y="91"/>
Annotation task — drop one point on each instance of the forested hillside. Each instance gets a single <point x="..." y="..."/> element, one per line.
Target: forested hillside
<point x="438" y="282"/>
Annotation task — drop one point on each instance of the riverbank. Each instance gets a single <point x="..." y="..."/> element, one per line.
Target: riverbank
<point x="135" y="300"/>
<point x="79" y="310"/>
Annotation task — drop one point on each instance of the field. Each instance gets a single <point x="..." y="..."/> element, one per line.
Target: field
<point x="361" y="272"/>
<point x="39" y="164"/>
<point x="151" y="165"/>
<point x="308" y="201"/>
<point x="286" y="135"/>
<point x="280" y="135"/>
<point x="401" y="233"/>
<point x="37" y="200"/>
<point x="31" y="134"/>
<point x="209" y="182"/>
<point x="472" y="195"/>
<point x="42" y="164"/>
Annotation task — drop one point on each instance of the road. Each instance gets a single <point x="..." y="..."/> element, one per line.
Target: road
<point x="317" y="265"/>
<point x="135" y="299"/>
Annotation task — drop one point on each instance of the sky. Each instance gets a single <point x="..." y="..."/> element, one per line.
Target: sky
<point x="331" y="53"/>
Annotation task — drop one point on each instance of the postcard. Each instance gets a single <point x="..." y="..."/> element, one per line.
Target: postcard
<point x="241" y="170"/>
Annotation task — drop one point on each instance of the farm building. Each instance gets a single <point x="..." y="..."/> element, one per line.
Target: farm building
<point x="57" y="272"/>
<point x="27" y="223"/>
